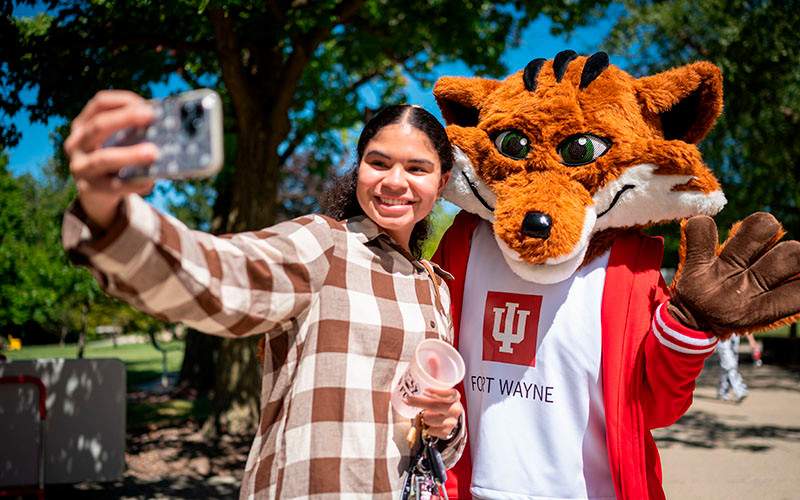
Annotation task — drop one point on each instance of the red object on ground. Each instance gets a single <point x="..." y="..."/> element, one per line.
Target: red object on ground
<point x="38" y="490"/>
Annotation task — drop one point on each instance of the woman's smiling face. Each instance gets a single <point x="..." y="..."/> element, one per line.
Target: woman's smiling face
<point x="399" y="179"/>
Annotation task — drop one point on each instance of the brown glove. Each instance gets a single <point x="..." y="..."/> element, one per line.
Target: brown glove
<point x="746" y="286"/>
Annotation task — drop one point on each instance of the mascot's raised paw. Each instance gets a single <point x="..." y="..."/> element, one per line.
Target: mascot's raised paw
<point x="749" y="284"/>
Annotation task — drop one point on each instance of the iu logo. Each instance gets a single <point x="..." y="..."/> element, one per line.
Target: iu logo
<point x="510" y="327"/>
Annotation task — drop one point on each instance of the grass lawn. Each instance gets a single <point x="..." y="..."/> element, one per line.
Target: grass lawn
<point x="142" y="361"/>
<point x="167" y="413"/>
<point x="142" y="364"/>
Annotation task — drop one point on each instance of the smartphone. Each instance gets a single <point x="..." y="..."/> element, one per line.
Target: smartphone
<point x="187" y="128"/>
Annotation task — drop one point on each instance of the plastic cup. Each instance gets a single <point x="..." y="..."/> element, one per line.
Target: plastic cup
<point x="436" y="364"/>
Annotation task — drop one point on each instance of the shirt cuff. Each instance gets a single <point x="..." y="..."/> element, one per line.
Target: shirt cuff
<point x="677" y="337"/>
<point x="78" y="230"/>
<point x="115" y="248"/>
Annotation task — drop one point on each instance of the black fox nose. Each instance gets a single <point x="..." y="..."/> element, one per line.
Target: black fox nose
<point x="537" y="225"/>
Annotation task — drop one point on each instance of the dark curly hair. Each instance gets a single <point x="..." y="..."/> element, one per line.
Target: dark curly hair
<point x="339" y="201"/>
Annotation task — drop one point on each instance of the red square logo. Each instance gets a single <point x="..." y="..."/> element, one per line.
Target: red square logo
<point x="510" y="328"/>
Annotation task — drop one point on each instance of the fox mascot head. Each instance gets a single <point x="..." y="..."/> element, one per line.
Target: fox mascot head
<point x="564" y="155"/>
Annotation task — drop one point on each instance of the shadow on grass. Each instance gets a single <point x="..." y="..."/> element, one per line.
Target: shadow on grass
<point x="168" y="457"/>
<point x="138" y="377"/>
<point x="155" y="412"/>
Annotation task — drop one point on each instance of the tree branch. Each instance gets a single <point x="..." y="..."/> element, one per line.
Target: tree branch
<point x="276" y="9"/>
<point x="322" y="118"/>
<point x="293" y="144"/>
<point x="364" y="79"/>
<point x="304" y="48"/>
<point x="411" y="71"/>
<point x="117" y="43"/>
<point x="186" y="77"/>
<point x="691" y="42"/>
<point x="228" y="47"/>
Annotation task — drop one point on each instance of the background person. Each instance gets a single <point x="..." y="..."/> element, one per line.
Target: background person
<point x="731" y="386"/>
<point x="755" y="350"/>
<point x="342" y="304"/>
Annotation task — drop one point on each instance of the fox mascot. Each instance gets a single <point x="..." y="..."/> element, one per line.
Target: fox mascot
<point x="575" y="347"/>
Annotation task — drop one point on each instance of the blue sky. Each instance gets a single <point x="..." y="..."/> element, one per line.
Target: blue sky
<point x="36" y="146"/>
<point x="536" y="42"/>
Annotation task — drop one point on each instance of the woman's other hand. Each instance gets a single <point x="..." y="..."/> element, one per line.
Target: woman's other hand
<point x="440" y="410"/>
<point x="94" y="167"/>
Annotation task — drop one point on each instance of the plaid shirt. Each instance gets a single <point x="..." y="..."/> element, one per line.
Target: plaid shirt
<point x="342" y="308"/>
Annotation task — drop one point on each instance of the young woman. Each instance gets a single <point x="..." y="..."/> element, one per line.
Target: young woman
<point x="342" y="303"/>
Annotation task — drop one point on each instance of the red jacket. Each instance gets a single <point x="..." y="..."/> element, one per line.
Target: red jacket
<point x="649" y="366"/>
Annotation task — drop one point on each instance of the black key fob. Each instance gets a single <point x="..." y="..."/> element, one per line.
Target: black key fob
<point x="436" y="463"/>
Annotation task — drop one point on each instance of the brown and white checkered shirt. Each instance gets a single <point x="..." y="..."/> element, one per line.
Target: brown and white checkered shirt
<point x="342" y="308"/>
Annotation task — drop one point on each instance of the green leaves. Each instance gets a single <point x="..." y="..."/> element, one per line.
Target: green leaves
<point x="292" y="74"/>
<point x="38" y="284"/>
<point x="78" y="48"/>
<point x="753" y="148"/>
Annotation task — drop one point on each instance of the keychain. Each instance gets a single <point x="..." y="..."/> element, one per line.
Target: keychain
<point x="414" y="431"/>
<point x="426" y="475"/>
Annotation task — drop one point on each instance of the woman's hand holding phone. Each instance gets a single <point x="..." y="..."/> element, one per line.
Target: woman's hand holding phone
<point x="95" y="168"/>
<point x="120" y="142"/>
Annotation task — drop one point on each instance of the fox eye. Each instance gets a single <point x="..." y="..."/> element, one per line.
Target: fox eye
<point x="581" y="149"/>
<point x="513" y="143"/>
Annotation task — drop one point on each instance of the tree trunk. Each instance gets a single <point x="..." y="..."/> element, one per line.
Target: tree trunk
<point x="255" y="181"/>
<point x="793" y="330"/>
<point x="198" y="367"/>
<point x="230" y="364"/>
<point x="63" y="339"/>
<point x="236" y="406"/>
<point x="238" y="375"/>
<point x="82" y="334"/>
<point x="261" y="86"/>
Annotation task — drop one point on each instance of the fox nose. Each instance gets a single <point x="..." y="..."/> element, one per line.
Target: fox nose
<point x="537" y="225"/>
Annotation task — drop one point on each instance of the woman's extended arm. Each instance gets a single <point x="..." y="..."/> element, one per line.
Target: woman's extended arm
<point x="232" y="286"/>
<point x="237" y="285"/>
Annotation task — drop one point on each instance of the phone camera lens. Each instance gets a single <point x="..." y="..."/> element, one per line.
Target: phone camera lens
<point x="191" y="117"/>
<point x="188" y="110"/>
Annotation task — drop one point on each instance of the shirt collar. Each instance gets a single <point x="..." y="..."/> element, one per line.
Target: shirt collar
<point x="365" y="230"/>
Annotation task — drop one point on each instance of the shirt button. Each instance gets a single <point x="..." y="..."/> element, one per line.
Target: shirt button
<point x="433" y="324"/>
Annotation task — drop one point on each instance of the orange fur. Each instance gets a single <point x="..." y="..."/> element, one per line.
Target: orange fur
<point x="262" y="349"/>
<point x="681" y="257"/>
<point x="625" y="111"/>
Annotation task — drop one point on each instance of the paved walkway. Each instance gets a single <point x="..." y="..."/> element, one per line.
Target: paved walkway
<point x="718" y="450"/>
<point x="723" y="450"/>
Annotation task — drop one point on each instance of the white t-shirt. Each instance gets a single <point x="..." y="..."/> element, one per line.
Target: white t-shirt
<point x="533" y="382"/>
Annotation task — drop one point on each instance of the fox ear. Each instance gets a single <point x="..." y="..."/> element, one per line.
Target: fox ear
<point x="460" y="98"/>
<point x="688" y="100"/>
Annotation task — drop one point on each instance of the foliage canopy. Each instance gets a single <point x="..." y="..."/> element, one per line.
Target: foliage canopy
<point x="40" y="291"/>
<point x="292" y="76"/>
<point x="753" y="149"/>
<point x="292" y="73"/>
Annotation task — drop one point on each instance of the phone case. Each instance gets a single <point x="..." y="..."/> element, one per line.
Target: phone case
<point x="187" y="128"/>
